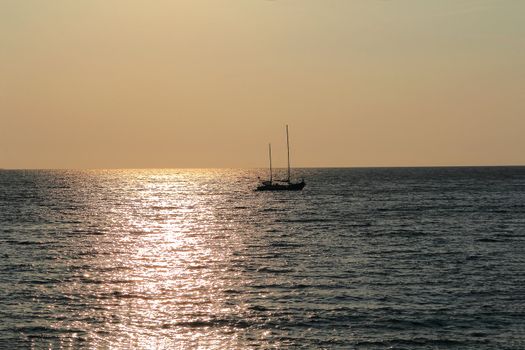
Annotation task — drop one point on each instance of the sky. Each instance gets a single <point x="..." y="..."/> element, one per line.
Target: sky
<point x="209" y="83"/>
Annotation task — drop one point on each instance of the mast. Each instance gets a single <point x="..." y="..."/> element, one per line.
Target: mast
<point x="270" y="154"/>
<point x="288" y="147"/>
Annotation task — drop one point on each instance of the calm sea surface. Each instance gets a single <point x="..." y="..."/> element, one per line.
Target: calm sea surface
<point x="401" y="258"/>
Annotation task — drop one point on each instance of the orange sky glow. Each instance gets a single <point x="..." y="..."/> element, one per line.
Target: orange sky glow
<point x="208" y="83"/>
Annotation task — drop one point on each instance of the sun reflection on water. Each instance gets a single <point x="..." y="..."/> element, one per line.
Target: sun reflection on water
<point x="160" y="277"/>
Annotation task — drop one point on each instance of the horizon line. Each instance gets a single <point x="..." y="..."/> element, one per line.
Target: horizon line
<point x="300" y="167"/>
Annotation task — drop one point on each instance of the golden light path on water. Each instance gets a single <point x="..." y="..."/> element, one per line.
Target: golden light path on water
<point x="161" y="274"/>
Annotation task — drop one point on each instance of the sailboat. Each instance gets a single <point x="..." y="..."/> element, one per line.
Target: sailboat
<point x="285" y="185"/>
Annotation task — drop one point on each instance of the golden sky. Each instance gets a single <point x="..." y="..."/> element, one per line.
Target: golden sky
<point x="208" y="83"/>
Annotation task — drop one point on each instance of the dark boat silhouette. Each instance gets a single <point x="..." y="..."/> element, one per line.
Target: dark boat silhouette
<point x="280" y="185"/>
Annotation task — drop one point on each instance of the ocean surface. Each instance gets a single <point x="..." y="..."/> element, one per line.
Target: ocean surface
<point x="384" y="258"/>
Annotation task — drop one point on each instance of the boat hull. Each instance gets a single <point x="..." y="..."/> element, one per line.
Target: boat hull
<point x="291" y="186"/>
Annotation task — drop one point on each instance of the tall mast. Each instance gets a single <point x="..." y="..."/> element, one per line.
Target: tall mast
<point x="288" y="147"/>
<point x="270" y="154"/>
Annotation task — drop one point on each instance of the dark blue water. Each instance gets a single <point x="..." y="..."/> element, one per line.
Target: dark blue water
<point x="404" y="258"/>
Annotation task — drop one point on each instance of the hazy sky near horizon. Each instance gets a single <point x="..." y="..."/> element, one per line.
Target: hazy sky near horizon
<point x="208" y="83"/>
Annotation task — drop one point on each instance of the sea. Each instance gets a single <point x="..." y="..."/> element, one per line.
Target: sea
<point x="362" y="258"/>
